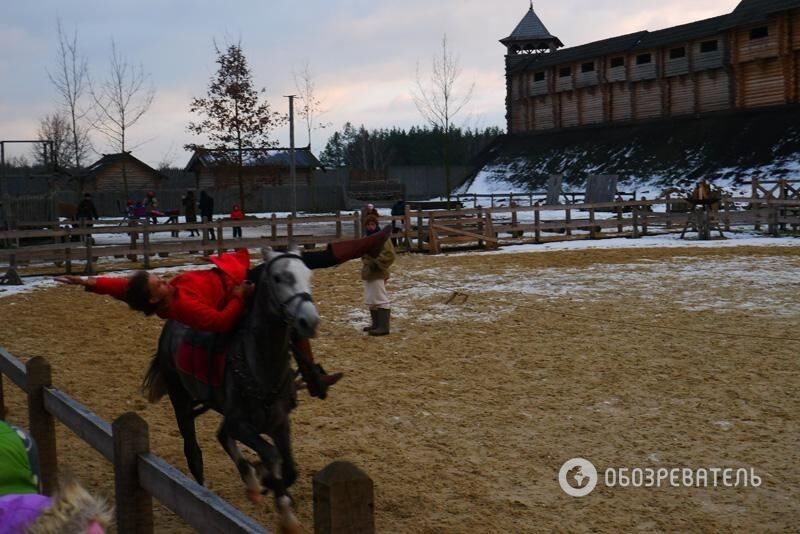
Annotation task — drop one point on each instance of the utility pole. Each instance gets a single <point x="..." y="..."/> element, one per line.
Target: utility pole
<point x="292" y="165"/>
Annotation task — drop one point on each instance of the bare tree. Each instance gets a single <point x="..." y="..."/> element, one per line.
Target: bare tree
<point x="234" y="117"/>
<point x="311" y="106"/>
<point x="121" y="100"/>
<point x="54" y="128"/>
<point x="71" y="80"/>
<point x="438" y="101"/>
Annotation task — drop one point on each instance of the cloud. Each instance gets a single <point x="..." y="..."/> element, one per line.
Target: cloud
<point x="363" y="53"/>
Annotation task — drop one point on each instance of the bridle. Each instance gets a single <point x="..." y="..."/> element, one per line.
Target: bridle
<point x="283" y="307"/>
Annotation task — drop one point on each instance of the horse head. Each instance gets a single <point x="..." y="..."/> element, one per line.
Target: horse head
<point x="285" y="290"/>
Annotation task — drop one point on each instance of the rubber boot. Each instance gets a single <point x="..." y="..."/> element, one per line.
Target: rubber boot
<point x="316" y="379"/>
<point x="355" y="248"/>
<point x="374" y="314"/>
<point x="382" y="326"/>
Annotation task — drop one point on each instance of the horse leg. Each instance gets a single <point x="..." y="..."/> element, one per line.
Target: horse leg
<point x="273" y="479"/>
<point x="281" y="437"/>
<point x="246" y="470"/>
<point x="182" y="404"/>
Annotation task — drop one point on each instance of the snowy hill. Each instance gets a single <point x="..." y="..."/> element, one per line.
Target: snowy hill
<point x="728" y="149"/>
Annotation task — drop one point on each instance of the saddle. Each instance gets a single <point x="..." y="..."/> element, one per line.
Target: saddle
<point x="202" y="355"/>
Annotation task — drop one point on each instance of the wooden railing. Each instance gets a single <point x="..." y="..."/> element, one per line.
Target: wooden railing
<point x="508" y="224"/>
<point x="496" y="226"/>
<point x="343" y="494"/>
<point x="138" y="474"/>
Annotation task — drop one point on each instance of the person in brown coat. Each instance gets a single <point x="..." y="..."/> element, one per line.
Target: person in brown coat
<point x="374" y="273"/>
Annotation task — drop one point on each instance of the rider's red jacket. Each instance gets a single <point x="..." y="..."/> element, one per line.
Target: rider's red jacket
<point x="203" y="300"/>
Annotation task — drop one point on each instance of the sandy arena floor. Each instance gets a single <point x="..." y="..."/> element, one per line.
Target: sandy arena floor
<point x="500" y="367"/>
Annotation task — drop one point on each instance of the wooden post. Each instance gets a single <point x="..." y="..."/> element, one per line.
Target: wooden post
<point x="134" y="236"/>
<point x="514" y="223"/>
<point x="491" y="242"/>
<point x="407" y="226"/>
<point x="567" y="221"/>
<point x="420" y="241"/>
<point x="635" y="210"/>
<point x="619" y="219"/>
<point x="592" y="230"/>
<point x="481" y="242"/>
<point x="68" y="255"/>
<point x="537" y="232"/>
<point x="146" y="242"/>
<point x="87" y="238"/>
<point x="726" y="206"/>
<point x="772" y="218"/>
<point x="274" y="226"/>
<point x="753" y="196"/>
<point x="344" y="500"/>
<point x="338" y="224"/>
<point x="356" y="225"/>
<point x="433" y="240"/>
<point x="475" y="200"/>
<point x="134" y="506"/>
<point x="40" y="423"/>
<point x="289" y="228"/>
<point x="644" y="219"/>
<point x="220" y="239"/>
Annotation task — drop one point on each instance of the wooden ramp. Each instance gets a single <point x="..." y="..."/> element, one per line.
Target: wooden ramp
<point x="458" y="228"/>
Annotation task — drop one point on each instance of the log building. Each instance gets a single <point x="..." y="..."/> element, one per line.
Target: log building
<point x="109" y="173"/>
<point x="218" y="168"/>
<point x="747" y="59"/>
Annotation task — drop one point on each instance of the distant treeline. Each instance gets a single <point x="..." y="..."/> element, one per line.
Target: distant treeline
<point x="359" y="148"/>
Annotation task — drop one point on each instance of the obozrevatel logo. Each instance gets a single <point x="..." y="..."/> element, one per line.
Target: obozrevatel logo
<point x="577" y="477"/>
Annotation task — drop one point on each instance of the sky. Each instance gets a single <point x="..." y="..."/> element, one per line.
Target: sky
<point x="363" y="55"/>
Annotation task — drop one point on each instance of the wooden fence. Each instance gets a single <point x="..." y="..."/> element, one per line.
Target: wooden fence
<point x="422" y="230"/>
<point x="491" y="227"/>
<point x="343" y="494"/>
<point x="63" y="242"/>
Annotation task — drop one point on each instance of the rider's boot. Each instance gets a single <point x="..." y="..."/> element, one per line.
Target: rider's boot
<point x="355" y="248"/>
<point x="316" y="379"/>
<point x="342" y="251"/>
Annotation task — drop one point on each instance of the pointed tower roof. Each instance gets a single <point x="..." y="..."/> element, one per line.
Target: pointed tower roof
<point x="531" y="31"/>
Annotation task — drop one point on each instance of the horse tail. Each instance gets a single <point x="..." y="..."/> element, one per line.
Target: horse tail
<point x="154" y="385"/>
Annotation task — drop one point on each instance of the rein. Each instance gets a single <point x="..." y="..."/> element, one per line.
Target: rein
<point x="238" y="361"/>
<point x="300" y="297"/>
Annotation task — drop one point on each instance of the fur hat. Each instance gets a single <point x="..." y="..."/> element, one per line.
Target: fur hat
<point x="371" y="218"/>
<point x="73" y="509"/>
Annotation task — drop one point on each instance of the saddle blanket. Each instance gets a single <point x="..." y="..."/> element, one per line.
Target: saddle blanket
<point x="204" y="364"/>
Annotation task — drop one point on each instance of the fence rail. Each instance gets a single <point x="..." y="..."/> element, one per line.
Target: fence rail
<point x="64" y="244"/>
<point x="341" y="499"/>
<point x="199" y="507"/>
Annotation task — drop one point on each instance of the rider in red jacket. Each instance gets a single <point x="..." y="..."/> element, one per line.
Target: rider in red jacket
<point x="211" y="300"/>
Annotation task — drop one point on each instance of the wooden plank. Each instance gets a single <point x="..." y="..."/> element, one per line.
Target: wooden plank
<point x="13" y="369"/>
<point x="463" y="232"/>
<point x="81" y="420"/>
<point x="198" y="506"/>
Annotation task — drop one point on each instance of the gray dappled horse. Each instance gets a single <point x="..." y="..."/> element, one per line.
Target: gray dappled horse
<point x="257" y="390"/>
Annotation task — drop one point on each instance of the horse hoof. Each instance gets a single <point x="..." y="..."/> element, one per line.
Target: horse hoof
<point x="254" y="496"/>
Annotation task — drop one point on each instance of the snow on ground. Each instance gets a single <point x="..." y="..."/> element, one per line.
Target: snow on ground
<point x="771" y="283"/>
<point x="493" y="179"/>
